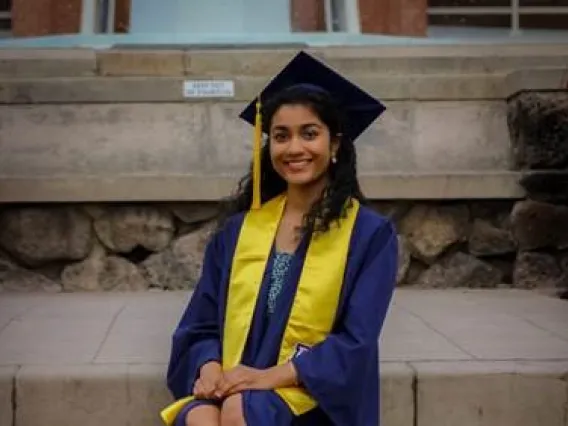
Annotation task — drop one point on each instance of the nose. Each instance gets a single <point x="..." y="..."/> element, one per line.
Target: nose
<point x="296" y="145"/>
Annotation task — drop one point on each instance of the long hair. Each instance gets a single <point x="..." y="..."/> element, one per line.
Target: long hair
<point x="343" y="184"/>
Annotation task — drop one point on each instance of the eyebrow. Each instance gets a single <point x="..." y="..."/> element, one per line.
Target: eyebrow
<point x="282" y="127"/>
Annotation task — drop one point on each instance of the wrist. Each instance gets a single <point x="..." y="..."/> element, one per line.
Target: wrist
<point x="210" y="366"/>
<point x="283" y="376"/>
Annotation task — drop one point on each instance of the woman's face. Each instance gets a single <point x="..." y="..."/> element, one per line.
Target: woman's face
<point x="300" y="145"/>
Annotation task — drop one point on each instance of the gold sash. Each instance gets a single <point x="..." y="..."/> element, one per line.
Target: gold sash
<point x="315" y="303"/>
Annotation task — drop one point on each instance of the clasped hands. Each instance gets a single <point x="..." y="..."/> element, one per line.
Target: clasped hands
<point x="214" y="383"/>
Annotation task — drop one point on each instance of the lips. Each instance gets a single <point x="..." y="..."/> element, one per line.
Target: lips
<point x="297" y="165"/>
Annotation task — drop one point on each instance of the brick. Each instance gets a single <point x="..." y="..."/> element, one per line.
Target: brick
<point x="307" y="15"/>
<point x="32" y="18"/>
<point x="398" y="17"/>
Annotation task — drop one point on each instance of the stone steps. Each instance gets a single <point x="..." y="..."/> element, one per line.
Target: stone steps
<point x="82" y="124"/>
<point x="382" y="59"/>
<point x="448" y="357"/>
<point x="463" y="86"/>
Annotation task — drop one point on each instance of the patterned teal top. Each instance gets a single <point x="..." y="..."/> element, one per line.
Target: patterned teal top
<point x="280" y="269"/>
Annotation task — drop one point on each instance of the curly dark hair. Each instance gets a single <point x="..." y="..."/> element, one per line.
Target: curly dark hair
<point x="343" y="184"/>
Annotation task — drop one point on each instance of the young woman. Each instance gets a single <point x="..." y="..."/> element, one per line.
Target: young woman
<point x="283" y="326"/>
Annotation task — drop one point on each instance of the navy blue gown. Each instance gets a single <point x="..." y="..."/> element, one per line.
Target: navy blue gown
<point x="341" y="373"/>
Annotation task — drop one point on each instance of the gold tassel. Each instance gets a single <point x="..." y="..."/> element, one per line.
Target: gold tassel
<point x="256" y="172"/>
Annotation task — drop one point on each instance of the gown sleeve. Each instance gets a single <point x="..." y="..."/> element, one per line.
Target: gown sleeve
<point x="196" y="340"/>
<point x="333" y="372"/>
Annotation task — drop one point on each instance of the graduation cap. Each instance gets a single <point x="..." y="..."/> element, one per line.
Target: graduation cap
<point x="304" y="71"/>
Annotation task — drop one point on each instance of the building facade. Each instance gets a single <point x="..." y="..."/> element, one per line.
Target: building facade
<point x="46" y="17"/>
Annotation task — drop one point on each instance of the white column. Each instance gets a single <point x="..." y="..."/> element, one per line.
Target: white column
<point x="352" y="17"/>
<point x="88" y="15"/>
<point x="515" y="18"/>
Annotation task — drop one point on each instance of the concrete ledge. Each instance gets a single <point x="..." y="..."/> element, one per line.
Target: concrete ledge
<point x="91" y="395"/>
<point x="7" y="377"/>
<point x="468" y="393"/>
<point x="504" y="393"/>
<point x="397" y="394"/>
<point x="448" y="359"/>
<point x="406" y="86"/>
<point x="170" y="89"/>
<point x="267" y="60"/>
<point x="479" y="185"/>
<point x="115" y="395"/>
<point x="536" y="79"/>
<point x="19" y="63"/>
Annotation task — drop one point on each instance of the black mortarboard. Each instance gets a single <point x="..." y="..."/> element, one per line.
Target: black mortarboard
<point x="360" y="108"/>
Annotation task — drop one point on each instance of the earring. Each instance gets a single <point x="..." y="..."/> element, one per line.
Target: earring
<point x="333" y="159"/>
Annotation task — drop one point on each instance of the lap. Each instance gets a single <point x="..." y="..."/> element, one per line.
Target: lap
<point x="259" y="407"/>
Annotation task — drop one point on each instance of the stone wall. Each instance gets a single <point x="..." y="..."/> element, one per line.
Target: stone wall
<point x="444" y="243"/>
<point x="538" y="125"/>
<point x="137" y="247"/>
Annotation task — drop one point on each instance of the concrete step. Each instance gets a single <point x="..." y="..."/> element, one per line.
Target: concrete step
<point x="164" y="187"/>
<point x="266" y="61"/>
<point x="467" y="357"/>
<point x="410" y="85"/>
<point x="84" y="124"/>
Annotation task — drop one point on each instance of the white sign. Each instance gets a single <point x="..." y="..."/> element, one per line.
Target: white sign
<point x="208" y="89"/>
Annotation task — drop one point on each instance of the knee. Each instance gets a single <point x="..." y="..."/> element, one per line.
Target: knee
<point x="203" y="416"/>
<point x="232" y="411"/>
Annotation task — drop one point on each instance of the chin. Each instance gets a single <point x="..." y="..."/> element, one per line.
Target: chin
<point x="299" y="181"/>
<point x="302" y="179"/>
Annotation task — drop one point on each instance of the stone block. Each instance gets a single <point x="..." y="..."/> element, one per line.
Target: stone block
<point x="148" y="394"/>
<point x="7" y="375"/>
<point x="37" y="236"/>
<point x="141" y="63"/>
<point x="454" y="88"/>
<point x="73" y="395"/>
<point x="234" y="63"/>
<point x="538" y="126"/>
<point x="15" y="63"/>
<point x="491" y="393"/>
<point x="397" y="394"/>
<point x="538" y="225"/>
<point x="536" y="270"/>
<point x="91" y="90"/>
<point x="548" y="186"/>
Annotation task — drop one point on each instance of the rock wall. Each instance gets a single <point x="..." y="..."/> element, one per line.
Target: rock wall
<point x="479" y="244"/>
<point x="447" y="243"/>
<point x="538" y="125"/>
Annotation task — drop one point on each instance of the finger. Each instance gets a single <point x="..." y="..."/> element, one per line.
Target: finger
<point x="224" y="386"/>
<point x="238" y="387"/>
<point x="198" y="389"/>
<point x="209" y="388"/>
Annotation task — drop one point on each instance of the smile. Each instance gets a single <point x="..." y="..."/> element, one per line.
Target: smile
<point x="297" y="164"/>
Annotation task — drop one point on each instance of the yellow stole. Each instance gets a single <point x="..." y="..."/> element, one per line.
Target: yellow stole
<point x="315" y="303"/>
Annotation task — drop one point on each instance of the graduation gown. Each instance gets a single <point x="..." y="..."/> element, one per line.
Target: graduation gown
<point x="341" y="373"/>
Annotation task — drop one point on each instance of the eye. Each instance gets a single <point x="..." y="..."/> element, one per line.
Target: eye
<point x="310" y="134"/>
<point x="279" y="137"/>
